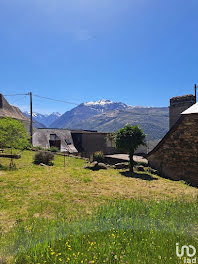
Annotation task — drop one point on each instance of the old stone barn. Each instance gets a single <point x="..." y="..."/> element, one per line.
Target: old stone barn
<point x="176" y="155"/>
<point x="74" y="141"/>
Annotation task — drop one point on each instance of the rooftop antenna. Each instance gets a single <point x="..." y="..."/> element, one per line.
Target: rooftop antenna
<point x="195" y="93"/>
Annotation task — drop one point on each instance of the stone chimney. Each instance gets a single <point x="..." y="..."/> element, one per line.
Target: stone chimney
<point x="178" y="105"/>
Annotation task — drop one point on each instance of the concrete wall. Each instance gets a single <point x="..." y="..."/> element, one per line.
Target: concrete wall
<point x="178" y="105"/>
<point x="90" y="142"/>
<point x="176" y="156"/>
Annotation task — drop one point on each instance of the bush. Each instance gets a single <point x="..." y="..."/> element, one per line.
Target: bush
<point x="44" y="157"/>
<point x="53" y="149"/>
<point x="38" y="148"/>
<point x="99" y="156"/>
<point x="29" y="147"/>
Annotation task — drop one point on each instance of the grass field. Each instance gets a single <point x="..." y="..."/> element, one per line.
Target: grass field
<point x="72" y="215"/>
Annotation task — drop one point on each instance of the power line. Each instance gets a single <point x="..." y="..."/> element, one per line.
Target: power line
<point x="14" y="94"/>
<point x="56" y="100"/>
<point x="43" y="97"/>
<point x="19" y="99"/>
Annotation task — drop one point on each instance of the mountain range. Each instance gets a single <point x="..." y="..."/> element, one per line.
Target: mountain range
<point x="85" y="111"/>
<point x="43" y="120"/>
<point x="108" y="116"/>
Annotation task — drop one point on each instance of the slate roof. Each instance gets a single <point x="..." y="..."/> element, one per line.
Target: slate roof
<point x="41" y="138"/>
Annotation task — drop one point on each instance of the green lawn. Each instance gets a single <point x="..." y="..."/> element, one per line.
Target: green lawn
<point x="72" y="215"/>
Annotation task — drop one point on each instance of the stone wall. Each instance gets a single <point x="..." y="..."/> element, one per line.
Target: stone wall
<point x="178" y="105"/>
<point x="176" y="156"/>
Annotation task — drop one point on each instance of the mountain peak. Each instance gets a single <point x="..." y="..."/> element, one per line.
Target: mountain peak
<point x="55" y="114"/>
<point x="45" y="119"/>
<point x="100" y="102"/>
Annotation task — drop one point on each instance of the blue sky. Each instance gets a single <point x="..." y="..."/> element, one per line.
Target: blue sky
<point x="141" y="52"/>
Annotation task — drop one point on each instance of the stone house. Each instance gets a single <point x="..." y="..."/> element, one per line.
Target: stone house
<point x="176" y="155"/>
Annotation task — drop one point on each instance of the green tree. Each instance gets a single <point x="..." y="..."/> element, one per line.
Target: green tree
<point x="13" y="135"/>
<point x="128" y="139"/>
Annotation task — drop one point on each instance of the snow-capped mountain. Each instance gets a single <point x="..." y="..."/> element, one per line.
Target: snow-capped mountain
<point x="84" y="111"/>
<point x="108" y="116"/>
<point x="105" y="105"/>
<point x="100" y="102"/>
<point x="44" y="119"/>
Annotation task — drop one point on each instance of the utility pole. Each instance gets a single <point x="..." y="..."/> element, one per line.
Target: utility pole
<point x="31" y="121"/>
<point x="195" y="93"/>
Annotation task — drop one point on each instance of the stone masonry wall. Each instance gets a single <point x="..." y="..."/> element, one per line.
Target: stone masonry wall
<point x="176" y="157"/>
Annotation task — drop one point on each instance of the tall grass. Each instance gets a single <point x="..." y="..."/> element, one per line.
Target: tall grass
<point x="128" y="231"/>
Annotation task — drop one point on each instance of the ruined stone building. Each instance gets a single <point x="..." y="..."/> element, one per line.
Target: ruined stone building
<point x="176" y="155"/>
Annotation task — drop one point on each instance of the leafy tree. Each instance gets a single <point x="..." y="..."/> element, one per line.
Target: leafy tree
<point x="13" y="135"/>
<point x="128" y="139"/>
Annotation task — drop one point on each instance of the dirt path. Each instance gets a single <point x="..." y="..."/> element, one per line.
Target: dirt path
<point x="125" y="157"/>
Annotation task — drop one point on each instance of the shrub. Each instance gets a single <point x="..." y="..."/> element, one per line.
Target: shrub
<point x="44" y="157"/>
<point x="53" y="149"/>
<point x="29" y="147"/>
<point x="99" y="156"/>
<point x="38" y="148"/>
